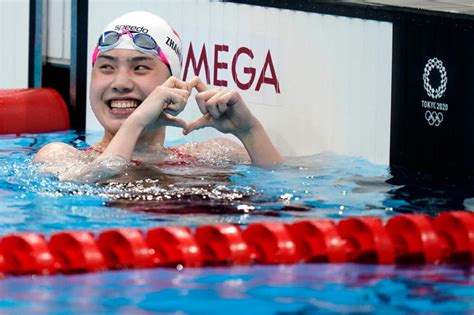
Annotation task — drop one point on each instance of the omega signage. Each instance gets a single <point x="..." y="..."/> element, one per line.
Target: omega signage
<point x="197" y="62"/>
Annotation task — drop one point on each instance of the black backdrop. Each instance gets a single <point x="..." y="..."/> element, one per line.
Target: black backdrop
<point x="432" y="115"/>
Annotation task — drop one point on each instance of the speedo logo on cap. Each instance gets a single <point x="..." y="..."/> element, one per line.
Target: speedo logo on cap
<point x="131" y="28"/>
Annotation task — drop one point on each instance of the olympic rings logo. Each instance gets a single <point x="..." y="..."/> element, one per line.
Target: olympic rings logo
<point x="434" y="118"/>
<point x="435" y="63"/>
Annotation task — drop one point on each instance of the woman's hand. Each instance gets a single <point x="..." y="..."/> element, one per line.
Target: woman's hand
<point x="156" y="111"/>
<point x="227" y="112"/>
<point x="162" y="106"/>
<point x="222" y="109"/>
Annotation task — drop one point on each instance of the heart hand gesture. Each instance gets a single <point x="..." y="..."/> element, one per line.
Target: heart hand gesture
<point x="223" y="110"/>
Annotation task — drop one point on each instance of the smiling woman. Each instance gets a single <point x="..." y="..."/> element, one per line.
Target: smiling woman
<point x="121" y="80"/>
<point x="136" y="92"/>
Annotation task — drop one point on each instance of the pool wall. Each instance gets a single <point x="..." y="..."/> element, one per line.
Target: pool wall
<point x="390" y="84"/>
<point x="322" y="82"/>
<point x="307" y="90"/>
<point x="14" y="20"/>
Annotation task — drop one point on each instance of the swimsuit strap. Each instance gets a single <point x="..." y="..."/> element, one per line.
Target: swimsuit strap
<point x="178" y="154"/>
<point x="88" y="149"/>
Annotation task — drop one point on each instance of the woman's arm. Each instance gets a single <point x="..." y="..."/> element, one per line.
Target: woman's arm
<point x="158" y="109"/>
<point x="70" y="164"/>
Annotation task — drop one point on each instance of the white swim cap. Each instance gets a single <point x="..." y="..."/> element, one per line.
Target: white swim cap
<point x="141" y="22"/>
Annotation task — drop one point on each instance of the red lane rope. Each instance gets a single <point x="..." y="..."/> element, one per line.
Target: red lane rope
<point x="404" y="239"/>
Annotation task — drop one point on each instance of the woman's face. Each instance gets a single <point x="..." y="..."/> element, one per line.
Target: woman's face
<point x="121" y="80"/>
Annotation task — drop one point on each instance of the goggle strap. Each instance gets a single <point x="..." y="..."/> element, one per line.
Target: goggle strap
<point x="95" y="54"/>
<point x="163" y="58"/>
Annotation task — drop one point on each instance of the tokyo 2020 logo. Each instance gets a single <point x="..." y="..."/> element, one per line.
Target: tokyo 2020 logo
<point x="435" y="63"/>
<point x="435" y="110"/>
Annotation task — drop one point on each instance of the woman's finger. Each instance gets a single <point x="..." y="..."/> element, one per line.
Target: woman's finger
<point x="204" y="121"/>
<point x="201" y="99"/>
<point x="174" y="82"/>
<point x="168" y="120"/>
<point x="212" y="105"/>
<point x="222" y="105"/>
<point x="174" y="103"/>
<point x="231" y="97"/>
<point x="183" y="92"/>
<point x="197" y="84"/>
<point x="174" y="107"/>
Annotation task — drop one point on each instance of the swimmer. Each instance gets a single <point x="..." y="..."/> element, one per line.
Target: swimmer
<point x="136" y="92"/>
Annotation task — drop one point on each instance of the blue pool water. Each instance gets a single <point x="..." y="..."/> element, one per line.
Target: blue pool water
<point x="320" y="186"/>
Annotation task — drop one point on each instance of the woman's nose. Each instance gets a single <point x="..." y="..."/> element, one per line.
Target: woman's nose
<point x="122" y="82"/>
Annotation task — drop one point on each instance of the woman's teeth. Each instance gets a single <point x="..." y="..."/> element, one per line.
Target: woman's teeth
<point x="123" y="104"/>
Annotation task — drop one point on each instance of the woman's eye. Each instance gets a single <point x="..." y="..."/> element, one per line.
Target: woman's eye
<point x="142" y="68"/>
<point x="106" y="67"/>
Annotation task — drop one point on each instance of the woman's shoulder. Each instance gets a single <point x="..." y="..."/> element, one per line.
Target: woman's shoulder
<point x="55" y="149"/>
<point x="215" y="149"/>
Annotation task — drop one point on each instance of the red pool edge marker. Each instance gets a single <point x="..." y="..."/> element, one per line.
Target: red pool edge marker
<point x="32" y="110"/>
